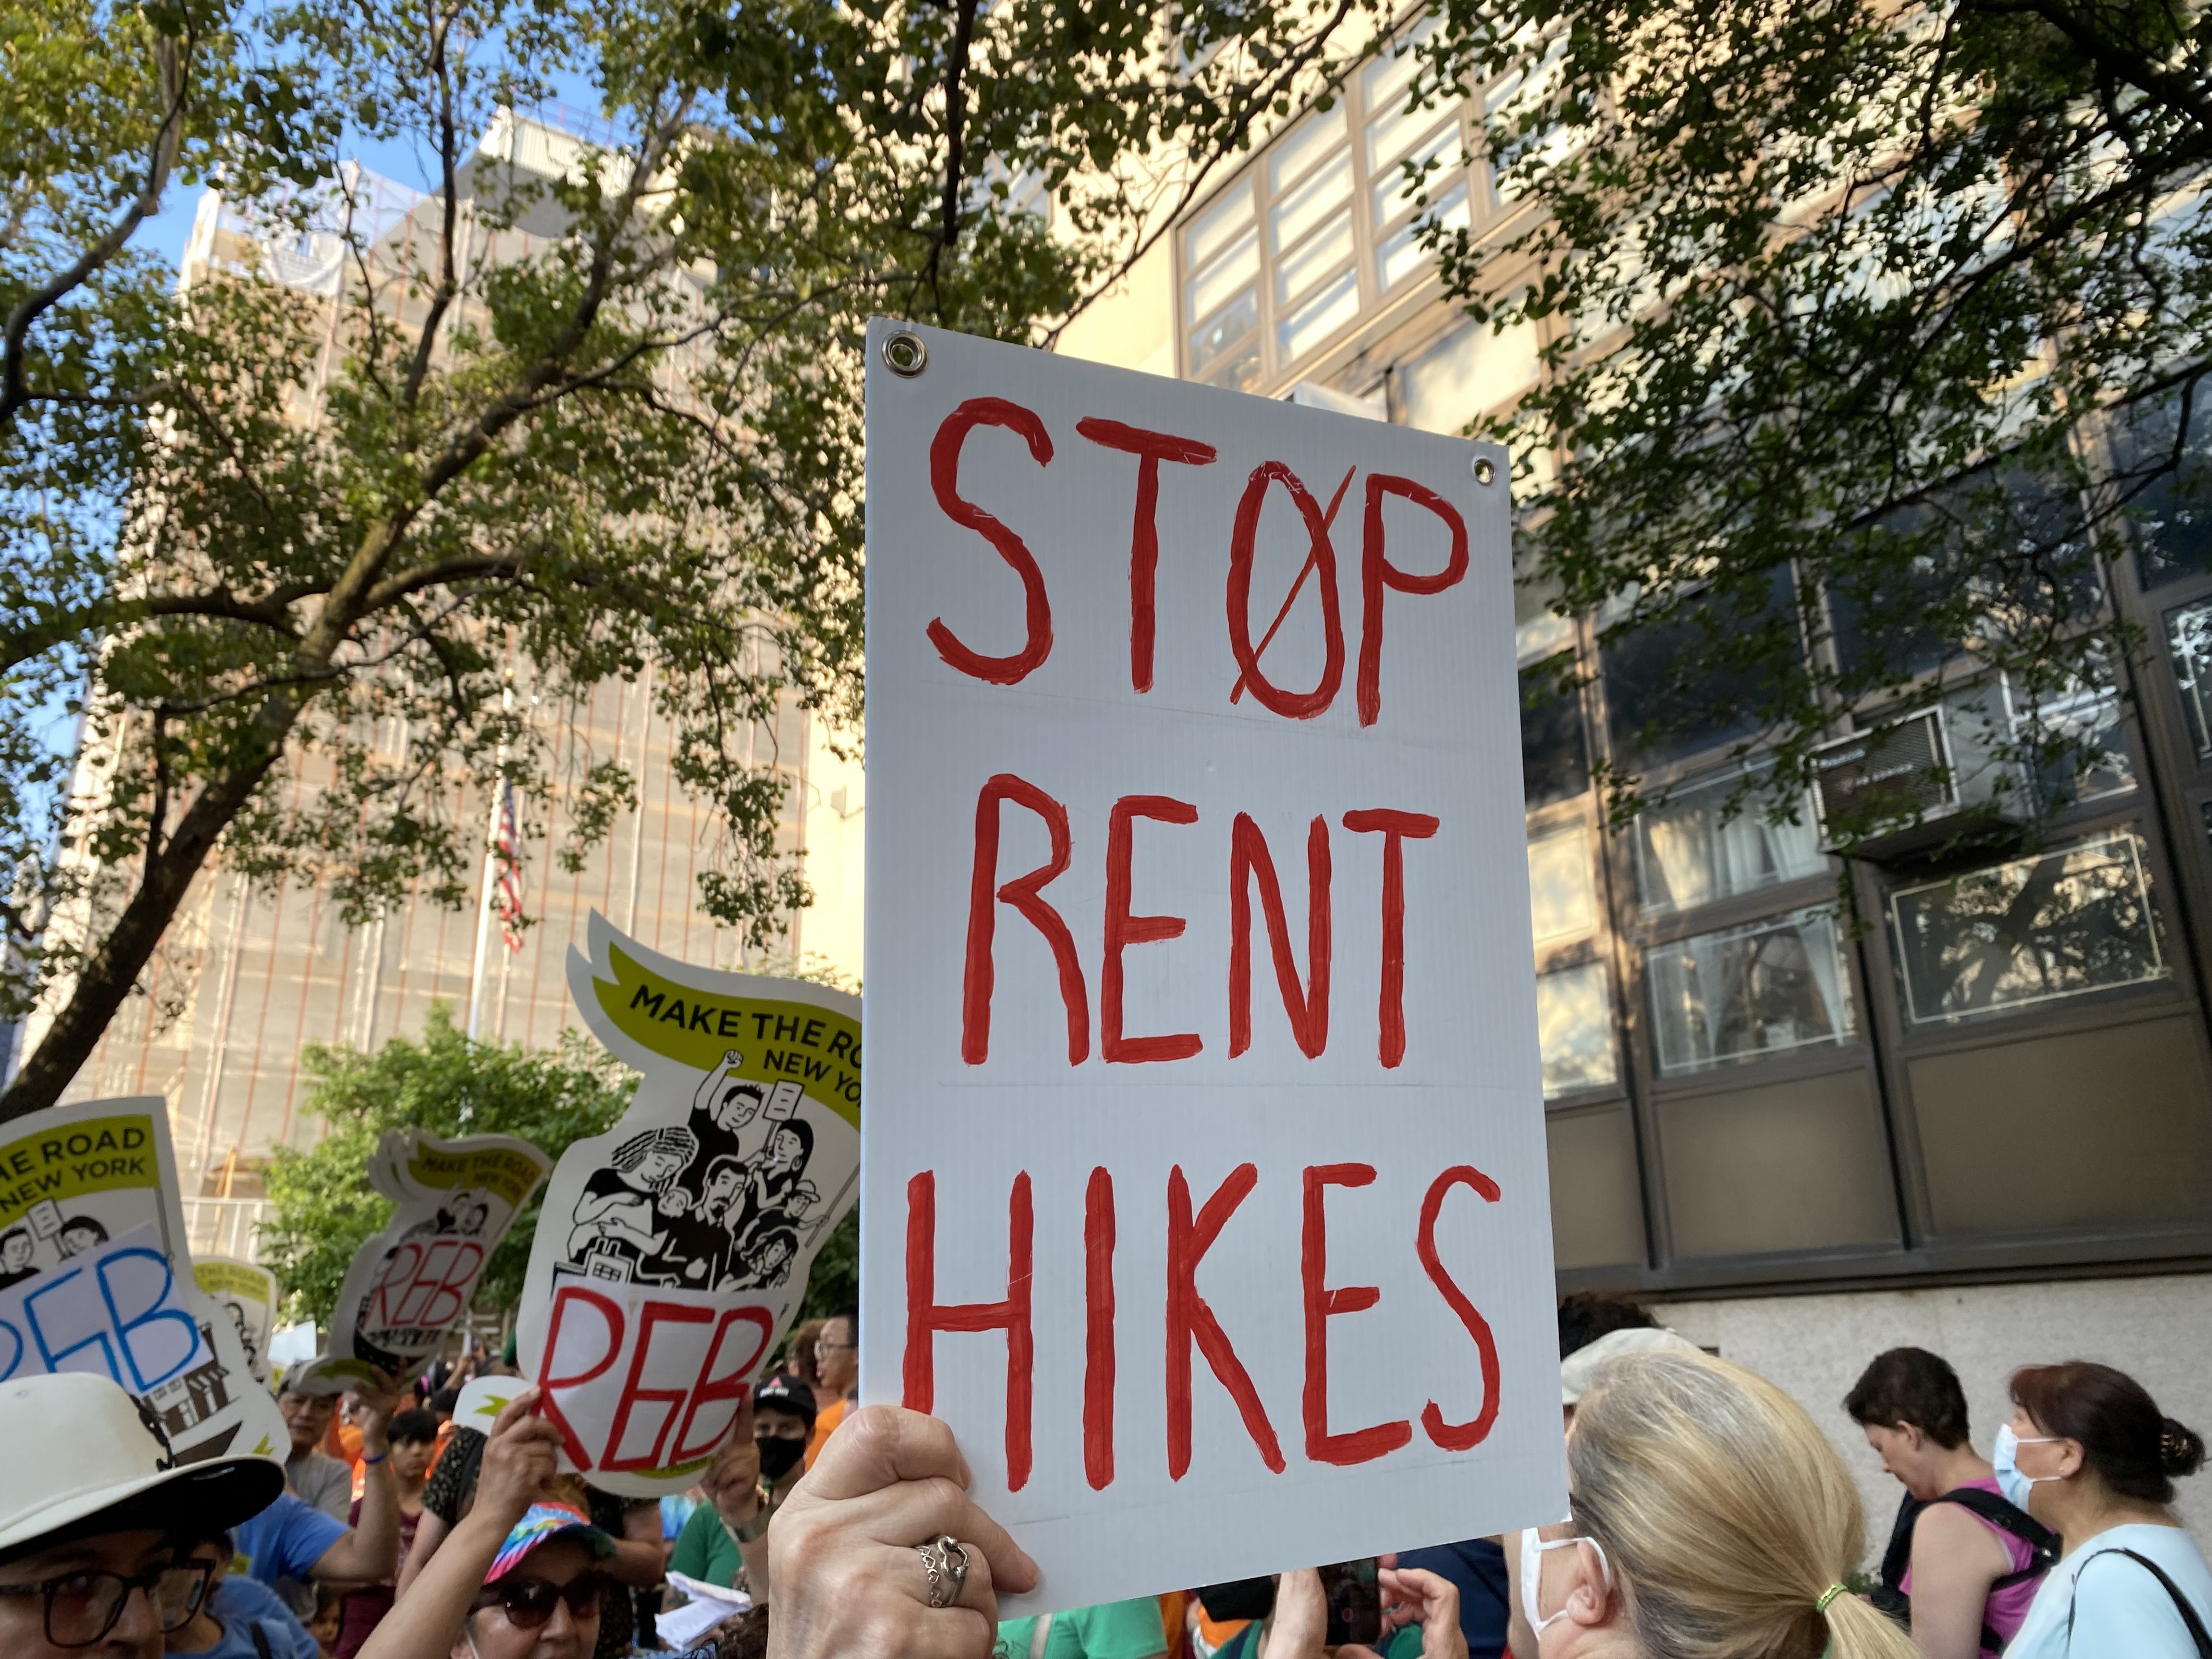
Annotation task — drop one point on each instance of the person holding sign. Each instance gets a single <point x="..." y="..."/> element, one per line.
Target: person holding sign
<point x="290" y="1542"/>
<point x="89" y="1500"/>
<point x="517" y="1577"/>
<point x="880" y="1553"/>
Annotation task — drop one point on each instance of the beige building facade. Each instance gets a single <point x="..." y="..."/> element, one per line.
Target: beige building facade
<point x="1981" y="1121"/>
<point x="249" y="981"/>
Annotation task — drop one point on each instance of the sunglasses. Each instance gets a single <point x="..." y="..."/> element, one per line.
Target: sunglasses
<point x="528" y="1603"/>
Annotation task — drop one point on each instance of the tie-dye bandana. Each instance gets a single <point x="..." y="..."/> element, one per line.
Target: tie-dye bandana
<point x="540" y="1524"/>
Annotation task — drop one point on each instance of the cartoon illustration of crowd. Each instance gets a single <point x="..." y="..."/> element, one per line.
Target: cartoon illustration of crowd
<point x="713" y="1204"/>
<point x="19" y="1247"/>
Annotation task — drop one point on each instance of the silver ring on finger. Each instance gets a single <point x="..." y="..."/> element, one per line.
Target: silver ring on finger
<point x="944" y="1563"/>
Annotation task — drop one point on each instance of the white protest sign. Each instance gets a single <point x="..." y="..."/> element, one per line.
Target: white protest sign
<point x="247" y="1293"/>
<point x="117" y="1310"/>
<point x="94" y="1275"/>
<point x="407" y="1288"/>
<point x="673" y="1251"/>
<point x="481" y="1398"/>
<point x="1205" y="1191"/>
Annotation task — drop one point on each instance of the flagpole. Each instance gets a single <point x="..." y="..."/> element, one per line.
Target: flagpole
<point x="490" y="876"/>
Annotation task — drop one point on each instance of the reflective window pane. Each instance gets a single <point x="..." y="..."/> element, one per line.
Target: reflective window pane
<point x="1562" y="885"/>
<point x="1210" y="232"/>
<point x="1314" y="138"/>
<point x="1223" y="333"/>
<point x="2074" y="920"/>
<point x="1554" y="753"/>
<point x="1392" y="133"/>
<point x="1324" y="255"/>
<point x="1329" y="191"/>
<point x="1333" y="306"/>
<point x="1761" y="988"/>
<point x="2094" y="762"/>
<point x="1574" y="1029"/>
<point x="1538" y="629"/>
<point x="1384" y="84"/>
<point x="1393" y="195"/>
<point x="1470" y="371"/>
<point x="2172" y="514"/>
<point x="2189" y="642"/>
<point x="1236" y="369"/>
<point x="1219" y="283"/>
<point x="1687" y="854"/>
<point x="1400" y="253"/>
<point x="1665" y="700"/>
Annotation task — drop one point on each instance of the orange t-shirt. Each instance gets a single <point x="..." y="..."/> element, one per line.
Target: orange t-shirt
<point x="824" y="1426"/>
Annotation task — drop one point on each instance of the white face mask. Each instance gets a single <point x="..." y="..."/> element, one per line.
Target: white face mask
<point x="2004" y="1457"/>
<point x="1532" y="1572"/>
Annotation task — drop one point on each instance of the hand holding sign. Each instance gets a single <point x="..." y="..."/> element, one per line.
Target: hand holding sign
<point x="844" y="1574"/>
<point x="380" y="1397"/>
<point x="520" y="1459"/>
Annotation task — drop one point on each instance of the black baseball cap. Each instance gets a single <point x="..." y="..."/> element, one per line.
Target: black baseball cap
<point x="785" y="1393"/>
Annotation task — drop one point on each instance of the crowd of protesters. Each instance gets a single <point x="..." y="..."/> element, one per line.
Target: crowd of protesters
<point x="1710" y="1518"/>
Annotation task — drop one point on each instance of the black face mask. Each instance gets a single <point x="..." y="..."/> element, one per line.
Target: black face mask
<point x="779" y="1457"/>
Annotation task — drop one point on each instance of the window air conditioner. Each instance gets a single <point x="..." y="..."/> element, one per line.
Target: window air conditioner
<point x="1919" y="781"/>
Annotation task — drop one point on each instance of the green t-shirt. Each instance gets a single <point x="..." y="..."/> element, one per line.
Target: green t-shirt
<point x="705" y="1551"/>
<point x="1112" y="1629"/>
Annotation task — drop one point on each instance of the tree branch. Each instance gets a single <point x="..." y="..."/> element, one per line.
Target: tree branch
<point x="171" y="62"/>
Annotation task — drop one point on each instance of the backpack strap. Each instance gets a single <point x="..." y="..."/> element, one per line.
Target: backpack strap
<point x="260" y="1640"/>
<point x="2182" y="1605"/>
<point x="1898" y="1556"/>
<point x="2005" y="1516"/>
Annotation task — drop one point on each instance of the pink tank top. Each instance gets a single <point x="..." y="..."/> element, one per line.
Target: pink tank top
<point x="2005" y="1609"/>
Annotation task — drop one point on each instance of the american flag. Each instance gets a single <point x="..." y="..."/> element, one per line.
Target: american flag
<point x="506" y="902"/>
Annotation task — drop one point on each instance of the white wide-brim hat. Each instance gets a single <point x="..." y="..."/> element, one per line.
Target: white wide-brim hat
<point x="83" y="1459"/>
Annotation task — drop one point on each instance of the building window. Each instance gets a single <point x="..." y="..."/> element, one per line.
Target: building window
<point x="1574" y="1029"/>
<point x="2173" y="513"/>
<point x="1689" y="852"/>
<point x="1323" y="228"/>
<point x="2189" y="642"/>
<point x="1555" y="763"/>
<point x="1309" y="233"/>
<point x="2072" y="920"/>
<point x="1562" y="885"/>
<point x="1472" y="370"/>
<point x="1771" y="985"/>
<point x="1222" y="252"/>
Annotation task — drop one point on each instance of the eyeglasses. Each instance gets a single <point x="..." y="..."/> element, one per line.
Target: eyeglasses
<point x="824" y="1344"/>
<point x="528" y="1603"/>
<point x="81" y="1607"/>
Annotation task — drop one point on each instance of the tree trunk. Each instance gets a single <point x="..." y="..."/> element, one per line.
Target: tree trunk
<point x="113" y="970"/>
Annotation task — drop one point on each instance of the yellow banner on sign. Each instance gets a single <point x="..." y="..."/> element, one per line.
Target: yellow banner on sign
<point x="772" y="1039"/>
<point x="97" y="1155"/>
<point x="509" y="1174"/>
<point x="227" y="1278"/>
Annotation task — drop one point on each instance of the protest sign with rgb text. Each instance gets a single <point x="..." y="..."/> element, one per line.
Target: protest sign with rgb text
<point x="673" y="1251"/>
<point x="1205" y="1190"/>
<point x="95" y="1276"/>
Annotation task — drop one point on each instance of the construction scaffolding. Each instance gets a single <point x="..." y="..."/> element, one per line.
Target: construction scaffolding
<point x="247" y="981"/>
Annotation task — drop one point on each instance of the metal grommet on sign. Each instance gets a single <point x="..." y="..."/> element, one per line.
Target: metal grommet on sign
<point x="1484" y="470"/>
<point x="904" y="354"/>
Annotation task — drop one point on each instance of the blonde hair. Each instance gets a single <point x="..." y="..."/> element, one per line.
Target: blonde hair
<point x="1726" y="1515"/>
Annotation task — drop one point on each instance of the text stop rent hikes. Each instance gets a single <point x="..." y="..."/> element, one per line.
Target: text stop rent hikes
<point x="1251" y="863"/>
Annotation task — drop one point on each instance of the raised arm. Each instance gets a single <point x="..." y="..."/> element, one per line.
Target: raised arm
<point x="518" y="1462"/>
<point x="369" y="1553"/>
